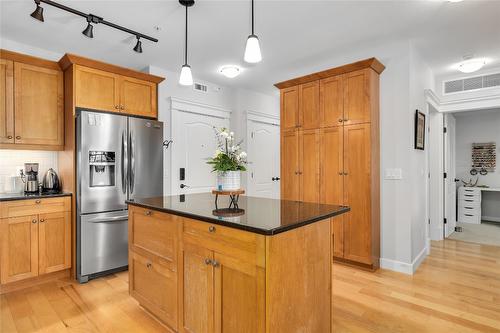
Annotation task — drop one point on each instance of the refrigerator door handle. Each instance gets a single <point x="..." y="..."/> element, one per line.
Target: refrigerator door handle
<point x="124" y="162"/>
<point x="132" y="162"/>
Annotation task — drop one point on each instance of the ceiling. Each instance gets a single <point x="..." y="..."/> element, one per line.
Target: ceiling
<point x="291" y="32"/>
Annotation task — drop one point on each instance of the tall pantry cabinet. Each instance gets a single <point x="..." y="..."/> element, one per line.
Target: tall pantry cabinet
<point x="330" y="152"/>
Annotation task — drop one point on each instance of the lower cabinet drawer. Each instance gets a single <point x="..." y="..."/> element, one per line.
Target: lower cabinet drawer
<point x="34" y="206"/>
<point x="154" y="286"/>
<point x="468" y="217"/>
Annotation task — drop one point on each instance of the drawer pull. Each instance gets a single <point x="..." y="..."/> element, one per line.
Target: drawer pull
<point x="468" y="215"/>
<point x="211" y="228"/>
<point x="208" y="261"/>
<point x="38" y="201"/>
<point x="468" y="195"/>
<point x="34" y="221"/>
<point x="42" y="220"/>
<point x="215" y="263"/>
<point x="18" y="137"/>
<point x="149" y="265"/>
<point x="9" y="137"/>
<point x="469" y="200"/>
<point x="148" y="213"/>
<point x="469" y="207"/>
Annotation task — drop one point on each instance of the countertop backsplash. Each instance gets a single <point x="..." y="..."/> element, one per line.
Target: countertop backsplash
<point x="10" y="160"/>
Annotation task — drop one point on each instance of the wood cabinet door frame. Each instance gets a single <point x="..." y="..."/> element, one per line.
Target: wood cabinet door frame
<point x="22" y="133"/>
<point x="332" y="101"/>
<point x="257" y="274"/>
<point x="46" y="245"/>
<point x="290" y="119"/>
<point x="6" y="254"/>
<point x="290" y="181"/>
<point x="152" y="112"/>
<point x="108" y="105"/>
<point x="309" y="166"/>
<point x="309" y="105"/>
<point x="7" y="100"/>
<point x="357" y="108"/>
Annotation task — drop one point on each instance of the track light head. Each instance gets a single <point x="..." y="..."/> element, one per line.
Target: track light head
<point x="138" y="46"/>
<point x="38" y="13"/>
<point x="89" y="31"/>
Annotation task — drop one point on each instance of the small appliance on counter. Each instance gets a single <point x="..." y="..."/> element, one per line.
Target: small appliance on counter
<point x="50" y="183"/>
<point x="30" y="178"/>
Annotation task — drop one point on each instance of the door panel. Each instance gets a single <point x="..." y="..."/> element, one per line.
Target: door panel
<point x="332" y="165"/>
<point x="450" y="203"/>
<point x="197" y="290"/>
<point x="263" y="158"/>
<point x="54" y="242"/>
<point x="239" y="296"/>
<point x="19" y="252"/>
<point x="309" y="105"/>
<point x="338" y="236"/>
<point x="98" y="90"/>
<point x="290" y="108"/>
<point x="194" y="142"/>
<point x="331" y="101"/>
<point x="38" y="91"/>
<point x="290" y="165"/>
<point x="138" y="97"/>
<point x="309" y="166"/>
<point x="6" y="101"/>
<point x="357" y="97"/>
<point x="357" y="226"/>
<point x="146" y="158"/>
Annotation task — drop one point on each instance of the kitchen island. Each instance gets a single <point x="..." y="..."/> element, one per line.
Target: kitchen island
<point x="263" y="266"/>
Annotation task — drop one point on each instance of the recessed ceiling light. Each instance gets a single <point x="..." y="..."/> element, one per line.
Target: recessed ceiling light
<point x="230" y="71"/>
<point x="470" y="65"/>
<point x="455" y="0"/>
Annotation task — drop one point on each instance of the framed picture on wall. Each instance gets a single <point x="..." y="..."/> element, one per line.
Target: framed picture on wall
<point x="419" y="130"/>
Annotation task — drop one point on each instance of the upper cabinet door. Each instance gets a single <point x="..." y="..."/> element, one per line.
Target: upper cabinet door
<point x="96" y="89"/>
<point x="290" y="189"/>
<point x="309" y="105"/>
<point x="290" y="108"/>
<point x="331" y="102"/>
<point x="6" y="101"/>
<point x="138" y="97"/>
<point x="357" y="97"/>
<point x="309" y="166"/>
<point x="39" y="105"/>
<point x="54" y="243"/>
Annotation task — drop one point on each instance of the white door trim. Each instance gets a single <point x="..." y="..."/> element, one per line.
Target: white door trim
<point x="464" y="104"/>
<point x="262" y="117"/>
<point x="179" y="104"/>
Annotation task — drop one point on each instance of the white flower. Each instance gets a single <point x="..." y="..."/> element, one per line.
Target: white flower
<point x="217" y="153"/>
<point x="242" y="155"/>
<point x="224" y="134"/>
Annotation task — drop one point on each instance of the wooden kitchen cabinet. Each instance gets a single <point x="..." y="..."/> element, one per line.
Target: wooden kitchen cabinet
<point x="138" y="97"/>
<point x="7" y="101"/>
<point x="31" y="111"/>
<point x="289" y="100"/>
<point x="331" y="101"/>
<point x="290" y="184"/>
<point x="357" y="106"/>
<point x="35" y="243"/>
<point x="309" y="105"/>
<point x="309" y="171"/>
<point x="97" y="90"/>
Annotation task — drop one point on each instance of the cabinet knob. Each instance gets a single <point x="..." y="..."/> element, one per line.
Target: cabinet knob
<point x="18" y="137"/>
<point x="208" y="261"/>
<point x="148" y="213"/>
<point x="149" y="265"/>
<point x="341" y="173"/>
<point x="42" y="220"/>
<point x="117" y="107"/>
<point x="9" y="137"/>
<point x="215" y="263"/>
<point x="122" y="107"/>
<point x="340" y="120"/>
<point x="211" y="228"/>
<point x="37" y="201"/>
<point x="34" y="221"/>
<point x="345" y="173"/>
<point x="345" y="119"/>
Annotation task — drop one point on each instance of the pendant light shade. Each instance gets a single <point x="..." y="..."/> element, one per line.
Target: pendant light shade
<point x="38" y="13"/>
<point x="252" y="49"/>
<point x="186" y="78"/>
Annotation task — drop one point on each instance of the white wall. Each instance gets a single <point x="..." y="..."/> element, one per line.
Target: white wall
<point x="476" y="127"/>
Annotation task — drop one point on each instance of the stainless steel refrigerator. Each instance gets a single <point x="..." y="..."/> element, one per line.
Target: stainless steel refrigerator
<point x="118" y="158"/>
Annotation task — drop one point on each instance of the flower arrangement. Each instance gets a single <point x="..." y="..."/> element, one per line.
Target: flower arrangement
<point x="228" y="156"/>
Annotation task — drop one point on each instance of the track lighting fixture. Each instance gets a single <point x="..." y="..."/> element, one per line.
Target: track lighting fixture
<point x="91" y="19"/>
<point x="252" y="49"/>
<point x="38" y="13"/>
<point x="186" y="77"/>
<point x="138" y="45"/>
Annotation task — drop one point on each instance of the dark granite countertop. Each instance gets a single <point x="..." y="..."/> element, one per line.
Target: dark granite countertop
<point x="22" y="196"/>
<point x="258" y="215"/>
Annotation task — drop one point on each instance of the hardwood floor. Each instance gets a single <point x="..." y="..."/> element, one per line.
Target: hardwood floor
<point x="456" y="289"/>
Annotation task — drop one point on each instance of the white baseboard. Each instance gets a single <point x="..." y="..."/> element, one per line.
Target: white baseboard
<point x="490" y="218"/>
<point x="403" y="267"/>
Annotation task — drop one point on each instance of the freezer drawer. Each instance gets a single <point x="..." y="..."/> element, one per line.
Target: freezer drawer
<point x="103" y="242"/>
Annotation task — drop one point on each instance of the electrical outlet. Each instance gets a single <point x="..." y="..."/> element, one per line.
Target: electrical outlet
<point x="394" y="174"/>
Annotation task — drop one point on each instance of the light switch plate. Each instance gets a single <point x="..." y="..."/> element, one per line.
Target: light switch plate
<point x="394" y="174"/>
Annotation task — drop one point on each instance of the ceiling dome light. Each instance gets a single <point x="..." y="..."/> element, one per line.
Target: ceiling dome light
<point x="38" y="13"/>
<point x="252" y="49"/>
<point x="230" y="71"/>
<point x="455" y="0"/>
<point x="471" y="65"/>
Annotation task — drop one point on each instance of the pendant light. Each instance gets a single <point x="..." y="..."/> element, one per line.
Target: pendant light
<point x="186" y="78"/>
<point x="252" y="49"/>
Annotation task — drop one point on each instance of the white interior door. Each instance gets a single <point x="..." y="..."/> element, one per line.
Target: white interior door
<point x="450" y="189"/>
<point x="264" y="159"/>
<point x="193" y="143"/>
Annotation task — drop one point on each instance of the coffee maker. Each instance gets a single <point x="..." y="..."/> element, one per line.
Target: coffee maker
<point x="30" y="178"/>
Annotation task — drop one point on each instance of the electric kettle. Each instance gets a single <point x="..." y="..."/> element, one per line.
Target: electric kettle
<point x="50" y="182"/>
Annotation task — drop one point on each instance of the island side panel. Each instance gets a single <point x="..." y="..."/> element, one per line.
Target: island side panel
<point x="298" y="280"/>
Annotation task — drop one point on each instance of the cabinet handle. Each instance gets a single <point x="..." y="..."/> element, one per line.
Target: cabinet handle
<point x="341" y="173"/>
<point x="122" y="107"/>
<point x="345" y="173"/>
<point x="148" y="213"/>
<point x="34" y="221"/>
<point x="208" y="261"/>
<point x="149" y="265"/>
<point x="345" y="119"/>
<point x="18" y="137"/>
<point x="215" y="263"/>
<point x="37" y="201"/>
<point x="42" y="220"/>
<point x="211" y="228"/>
<point x="117" y="107"/>
<point x="340" y="120"/>
<point x="9" y="137"/>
